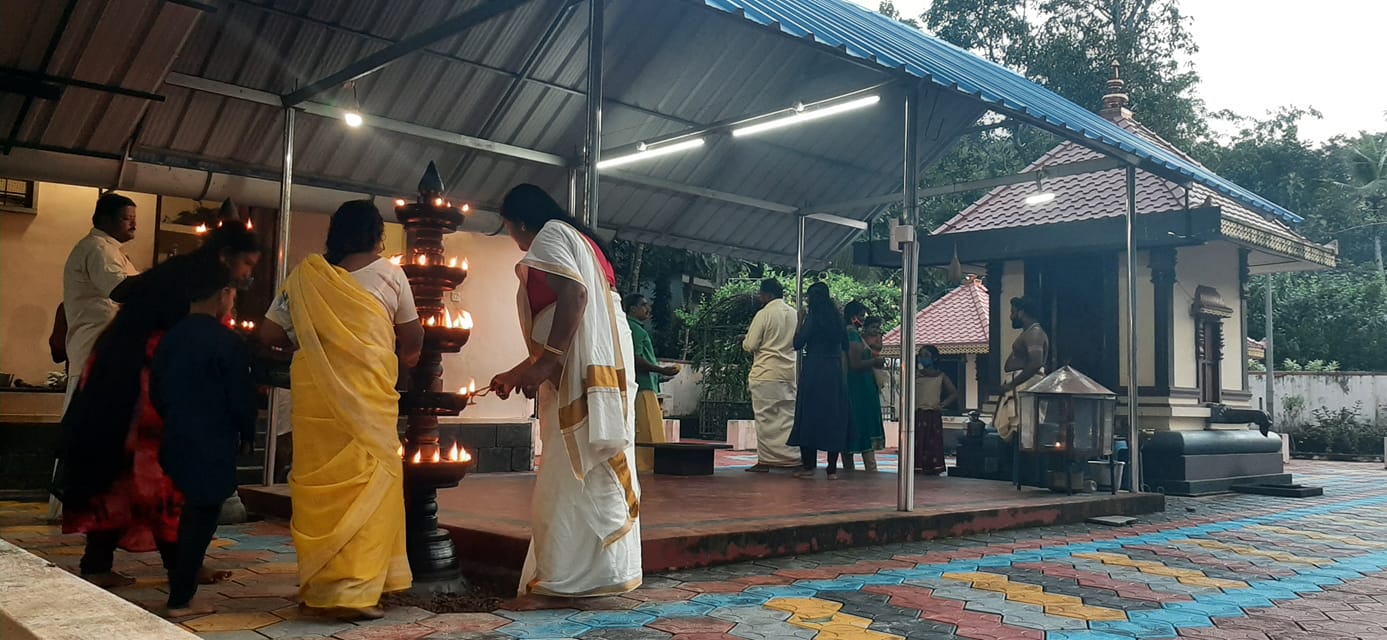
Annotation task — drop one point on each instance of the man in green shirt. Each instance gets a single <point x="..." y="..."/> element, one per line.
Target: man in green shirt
<point x="650" y="420"/>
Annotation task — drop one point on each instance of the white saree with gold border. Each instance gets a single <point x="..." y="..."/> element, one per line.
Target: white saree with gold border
<point x="586" y="505"/>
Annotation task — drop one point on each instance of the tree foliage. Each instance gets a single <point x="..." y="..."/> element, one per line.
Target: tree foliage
<point x="1338" y="315"/>
<point x="1070" y="46"/>
<point x="716" y="326"/>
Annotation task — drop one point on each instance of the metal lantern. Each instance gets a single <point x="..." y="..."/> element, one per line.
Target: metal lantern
<point x="1067" y="413"/>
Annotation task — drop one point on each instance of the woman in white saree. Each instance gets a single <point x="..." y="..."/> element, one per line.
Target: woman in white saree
<point x="586" y="505"/>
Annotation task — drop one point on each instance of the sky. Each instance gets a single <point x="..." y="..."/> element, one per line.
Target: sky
<point x="1258" y="55"/>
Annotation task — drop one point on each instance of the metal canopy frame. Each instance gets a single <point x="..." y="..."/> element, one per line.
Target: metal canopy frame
<point x="378" y="60"/>
<point x="419" y="43"/>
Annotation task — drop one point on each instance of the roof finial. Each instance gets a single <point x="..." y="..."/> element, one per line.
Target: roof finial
<point x="1115" y="101"/>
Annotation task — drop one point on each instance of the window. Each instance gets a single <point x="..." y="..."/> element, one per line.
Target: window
<point x="18" y="195"/>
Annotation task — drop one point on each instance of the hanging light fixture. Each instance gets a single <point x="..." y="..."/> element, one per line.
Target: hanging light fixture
<point x="352" y="116"/>
<point x="802" y="114"/>
<point x="644" y="152"/>
<point x="1040" y="195"/>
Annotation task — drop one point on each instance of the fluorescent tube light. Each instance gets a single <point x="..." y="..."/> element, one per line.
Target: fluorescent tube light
<point x="805" y="116"/>
<point x="1037" y="199"/>
<point x="646" y="154"/>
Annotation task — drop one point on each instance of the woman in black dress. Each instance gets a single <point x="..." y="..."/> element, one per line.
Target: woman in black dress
<point x="823" y="419"/>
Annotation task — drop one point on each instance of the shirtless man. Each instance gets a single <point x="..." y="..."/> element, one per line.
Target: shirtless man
<point x="1025" y="365"/>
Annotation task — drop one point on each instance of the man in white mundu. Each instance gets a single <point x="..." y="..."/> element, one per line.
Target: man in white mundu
<point x="586" y="504"/>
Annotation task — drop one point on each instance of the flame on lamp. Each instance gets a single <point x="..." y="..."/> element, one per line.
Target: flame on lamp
<point x="436" y="456"/>
<point x="438" y="202"/>
<point x="423" y="260"/>
<point x="250" y="226"/>
<point x="200" y="229"/>
<point x="397" y="259"/>
<point x="453" y="453"/>
<point x="417" y="457"/>
<point x="466" y="207"/>
<point x="401" y="451"/>
<point x="399" y="202"/>
<point x="471" y="387"/>
<point x="465" y="321"/>
<point x="432" y="321"/>
<point x="464" y="264"/>
<point x="452" y="263"/>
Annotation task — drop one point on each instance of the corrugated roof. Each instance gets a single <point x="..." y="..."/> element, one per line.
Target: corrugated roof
<point x="955" y="323"/>
<point x="1102" y="194"/>
<point x="670" y="66"/>
<point x="859" y="33"/>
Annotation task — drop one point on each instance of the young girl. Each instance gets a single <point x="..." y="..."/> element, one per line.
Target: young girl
<point x="930" y="385"/>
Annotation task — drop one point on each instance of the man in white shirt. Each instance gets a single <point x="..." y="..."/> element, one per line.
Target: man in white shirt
<point x="94" y="270"/>
<point x="771" y="341"/>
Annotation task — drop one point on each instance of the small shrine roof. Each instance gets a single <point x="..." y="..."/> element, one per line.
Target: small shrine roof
<point x="956" y="323"/>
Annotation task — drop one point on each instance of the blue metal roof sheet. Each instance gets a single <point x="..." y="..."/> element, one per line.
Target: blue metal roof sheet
<point x="856" y="32"/>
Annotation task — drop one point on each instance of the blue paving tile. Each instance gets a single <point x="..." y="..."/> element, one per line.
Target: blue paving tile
<point x="1237" y="598"/>
<point x="838" y="584"/>
<point x="686" y="609"/>
<point x="1211" y="610"/>
<point x="879" y="579"/>
<point x="731" y="599"/>
<point x="783" y="591"/>
<point x="537" y="616"/>
<point x="1178" y="619"/>
<point x="554" y="629"/>
<point x="1087" y="634"/>
<point x="613" y="619"/>
<point x="1146" y="629"/>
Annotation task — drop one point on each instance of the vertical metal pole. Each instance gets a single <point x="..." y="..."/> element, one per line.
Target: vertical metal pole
<point x="1270" y="356"/>
<point x="910" y="271"/>
<point x="1133" y="402"/>
<point x="594" y="141"/>
<point x="573" y="191"/>
<point x="799" y="267"/>
<point x="286" y="183"/>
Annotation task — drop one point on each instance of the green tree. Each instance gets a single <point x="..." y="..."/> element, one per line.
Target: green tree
<point x="717" y="324"/>
<point x="1337" y="315"/>
<point x="1070" y="45"/>
<point x="1365" y="159"/>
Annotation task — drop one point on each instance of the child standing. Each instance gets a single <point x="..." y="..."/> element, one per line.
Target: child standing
<point x="201" y="385"/>
<point x="933" y="391"/>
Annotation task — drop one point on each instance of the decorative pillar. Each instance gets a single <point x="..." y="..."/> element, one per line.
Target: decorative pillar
<point x="1244" y="278"/>
<point x="991" y="379"/>
<point x="1162" y="262"/>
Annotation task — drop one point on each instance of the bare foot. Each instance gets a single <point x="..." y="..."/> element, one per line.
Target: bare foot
<point x="193" y="608"/>
<point x="212" y="576"/>
<point x="108" y="580"/>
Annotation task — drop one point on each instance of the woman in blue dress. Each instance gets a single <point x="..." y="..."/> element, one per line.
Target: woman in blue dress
<point x="823" y="419"/>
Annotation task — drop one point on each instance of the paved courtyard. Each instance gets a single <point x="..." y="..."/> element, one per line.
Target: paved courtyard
<point x="1234" y="567"/>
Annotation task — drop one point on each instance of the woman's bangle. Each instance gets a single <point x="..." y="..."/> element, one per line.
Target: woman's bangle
<point x="554" y="350"/>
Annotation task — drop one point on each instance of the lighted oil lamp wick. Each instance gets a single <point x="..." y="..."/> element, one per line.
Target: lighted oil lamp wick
<point x="397" y="259"/>
<point x="423" y="261"/>
<point x="200" y="229"/>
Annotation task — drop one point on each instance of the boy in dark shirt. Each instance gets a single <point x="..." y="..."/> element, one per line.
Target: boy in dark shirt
<point x="201" y="385"/>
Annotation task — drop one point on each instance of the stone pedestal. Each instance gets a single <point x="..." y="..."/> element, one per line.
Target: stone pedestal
<point x="741" y="434"/>
<point x="1189" y="463"/>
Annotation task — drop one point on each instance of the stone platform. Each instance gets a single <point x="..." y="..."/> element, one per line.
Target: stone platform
<point x="734" y="516"/>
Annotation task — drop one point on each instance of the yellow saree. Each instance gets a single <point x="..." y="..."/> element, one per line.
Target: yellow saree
<point x="347" y="484"/>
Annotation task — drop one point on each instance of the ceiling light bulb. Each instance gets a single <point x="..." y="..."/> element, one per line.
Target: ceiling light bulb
<point x="352" y="118"/>
<point x="650" y="153"/>
<point x="805" y="116"/>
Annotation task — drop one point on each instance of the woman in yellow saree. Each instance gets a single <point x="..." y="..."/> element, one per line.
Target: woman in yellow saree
<point x="349" y="313"/>
<point x="586" y="505"/>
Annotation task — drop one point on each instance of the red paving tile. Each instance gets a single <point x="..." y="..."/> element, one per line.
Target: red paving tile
<point x="764" y="580"/>
<point x="464" y="622"/>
